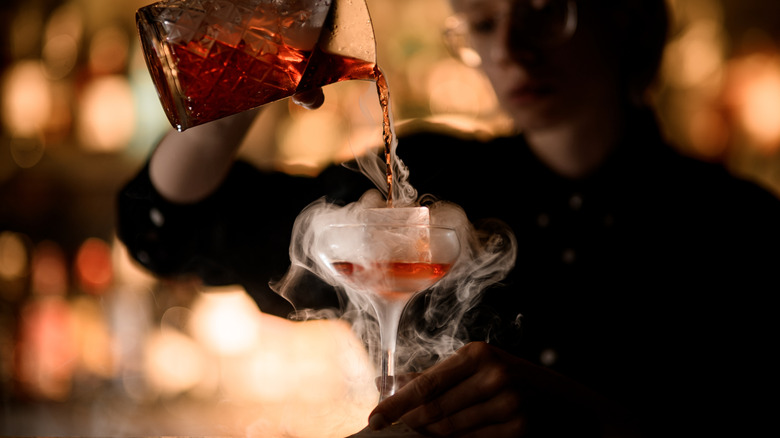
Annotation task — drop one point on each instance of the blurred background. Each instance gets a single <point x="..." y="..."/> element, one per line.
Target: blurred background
<point x="92" y="345"/>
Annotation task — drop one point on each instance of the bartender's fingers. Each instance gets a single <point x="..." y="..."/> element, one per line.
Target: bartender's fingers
<point x="477" y="389"/>
<point x="424" y="389"/>
<point x="311" y="99"/>
<point x="502" y="412"/>
<point x="492" y="394"/>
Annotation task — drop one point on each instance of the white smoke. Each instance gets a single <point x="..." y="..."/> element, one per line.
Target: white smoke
<point x="486" y="256"/>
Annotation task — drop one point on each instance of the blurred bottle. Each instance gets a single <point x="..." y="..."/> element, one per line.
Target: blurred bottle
<point x="213" y="58"/>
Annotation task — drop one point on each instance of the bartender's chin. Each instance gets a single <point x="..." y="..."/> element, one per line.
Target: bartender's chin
<point x="542" y="111"/>
<point x="536" y="119"/>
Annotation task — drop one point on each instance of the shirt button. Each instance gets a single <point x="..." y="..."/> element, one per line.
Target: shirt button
<point x="142" y="256"/>
<point x="575" y="202"/>
<point x="543" y="220"/>
<point x="568" y="256"/>
<point x="548" y="357"/>
<point x="156" y="217"/>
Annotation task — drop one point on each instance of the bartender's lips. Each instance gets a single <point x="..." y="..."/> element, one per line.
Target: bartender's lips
<point x="530" y="92"/>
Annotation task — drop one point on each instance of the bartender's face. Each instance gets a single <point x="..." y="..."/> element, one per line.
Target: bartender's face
<point x="543" y="58"/>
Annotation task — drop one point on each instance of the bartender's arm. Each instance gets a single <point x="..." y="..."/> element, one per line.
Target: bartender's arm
<point x="188" y="166"/>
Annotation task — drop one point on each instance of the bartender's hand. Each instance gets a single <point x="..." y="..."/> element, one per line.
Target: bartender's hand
<point x="483" y="391"/>
<point x="312" y="99"/>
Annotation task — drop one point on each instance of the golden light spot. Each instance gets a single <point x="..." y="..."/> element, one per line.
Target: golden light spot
<point x="93" y="265"/>
<point x="13" y="256"/>
<point x="106" y="116"/>
<point x="26" y="99"/>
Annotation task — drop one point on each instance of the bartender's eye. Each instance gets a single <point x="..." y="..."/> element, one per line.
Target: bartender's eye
<point x="483" y="26"/>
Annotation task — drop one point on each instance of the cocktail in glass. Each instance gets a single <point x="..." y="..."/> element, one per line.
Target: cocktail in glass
<point x="387" y="263"/>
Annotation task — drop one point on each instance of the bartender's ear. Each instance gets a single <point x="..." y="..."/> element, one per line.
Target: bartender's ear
<point x="311" y="99"/>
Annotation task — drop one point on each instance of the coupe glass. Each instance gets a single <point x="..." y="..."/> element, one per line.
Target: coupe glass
<point x="388" y="264"/>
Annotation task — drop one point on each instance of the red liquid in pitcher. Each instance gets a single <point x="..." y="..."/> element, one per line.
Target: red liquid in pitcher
<point x="392" y="280"/>
<point x="219" y="79"/>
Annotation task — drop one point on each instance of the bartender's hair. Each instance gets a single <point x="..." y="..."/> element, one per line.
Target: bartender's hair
<point x="638" y="31"/>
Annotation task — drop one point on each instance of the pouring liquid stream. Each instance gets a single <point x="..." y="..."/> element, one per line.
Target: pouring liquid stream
<point x="388" y="134"/>
<point x="339" y="68"/>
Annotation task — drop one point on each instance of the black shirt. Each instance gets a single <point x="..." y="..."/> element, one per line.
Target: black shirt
<point x="648" y="281"/>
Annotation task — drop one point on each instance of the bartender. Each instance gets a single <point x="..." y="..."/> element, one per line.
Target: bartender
<point x="609" y="324"/>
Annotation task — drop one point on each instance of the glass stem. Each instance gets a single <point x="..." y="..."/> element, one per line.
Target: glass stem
<point x="388" y="315"/>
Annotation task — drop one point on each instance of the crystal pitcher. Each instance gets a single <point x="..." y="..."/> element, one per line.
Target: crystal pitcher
<point x="213" y="58"/>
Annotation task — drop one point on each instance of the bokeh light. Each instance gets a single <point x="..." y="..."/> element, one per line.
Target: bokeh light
<point x="81" y="322"/>
<point x="175" y="363"/>
<point x="226" y="321"/>
<point x="46" y="351"/>
<point x="13" y="256"/>
<point x="93" y="266"/>
<point x="696" y="55"/>
<point x="60" y="55"/>
<point x="755" y="97"/>
<point x="49" y="269"/>
<point x="108" y="51"/>
<point x="27" y="102"/>
<point x="106" y="119"/>
<point x="14" y="267"/>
